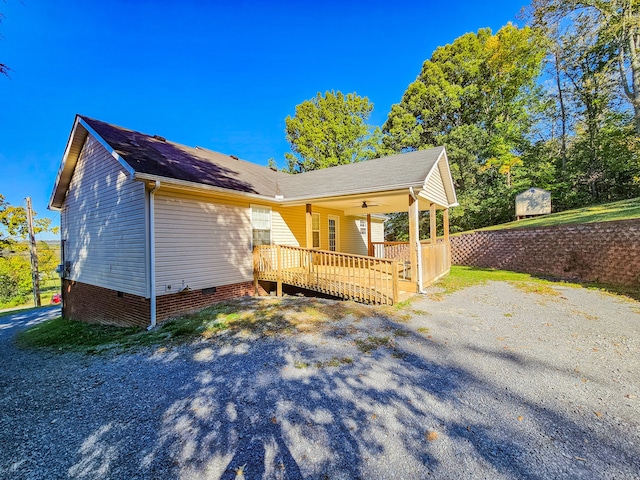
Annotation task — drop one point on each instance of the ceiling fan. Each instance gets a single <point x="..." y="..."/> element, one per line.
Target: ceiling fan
<point x="365" y="204"/>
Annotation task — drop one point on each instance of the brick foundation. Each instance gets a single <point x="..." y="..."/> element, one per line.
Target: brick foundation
<point x="94" y="304"/>
<point x="607" y="252"/>
<point x="89" y="303"/>
<point x="176" y="304"/>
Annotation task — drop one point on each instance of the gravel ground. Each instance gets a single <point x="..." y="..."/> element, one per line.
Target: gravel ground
<point x="490" y="382"/>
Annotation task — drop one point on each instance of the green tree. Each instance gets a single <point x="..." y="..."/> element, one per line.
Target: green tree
<point x="329" y="130"/>
<point x="476" y="97"/>
<point x="14" y="227"/>
<point x="617" y="33"/>
<point x="15" y="266"/>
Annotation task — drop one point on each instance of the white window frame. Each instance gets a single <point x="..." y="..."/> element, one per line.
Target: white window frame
<point x="336" y="218"/>
<point x="362" y="227"/>
<point x="262" y="207"/>
<point x="319" y="230"/>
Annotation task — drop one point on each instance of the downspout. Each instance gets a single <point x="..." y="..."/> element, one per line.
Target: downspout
<point x="418" y="247"/>
<point x="152" y="254"/>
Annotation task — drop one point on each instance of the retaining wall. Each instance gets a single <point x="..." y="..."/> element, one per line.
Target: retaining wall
<point x="607" y="252"/>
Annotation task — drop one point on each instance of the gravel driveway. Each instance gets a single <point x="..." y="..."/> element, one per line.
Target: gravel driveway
<point x="490" y="382"/>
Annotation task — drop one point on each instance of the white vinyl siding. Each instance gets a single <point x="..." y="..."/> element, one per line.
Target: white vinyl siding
<point x="281" y="232"/>
<point x="434" y="190"/>
<point x="355" y="238"/>
<point x="201" y="242"/>
<point x="103" y="223"/>
<point x="377" y="231"/>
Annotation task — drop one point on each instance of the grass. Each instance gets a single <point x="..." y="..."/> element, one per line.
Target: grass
<point x="464" y="277"/>
<point x="265" y="317"/>
<point x="622" y="210"/>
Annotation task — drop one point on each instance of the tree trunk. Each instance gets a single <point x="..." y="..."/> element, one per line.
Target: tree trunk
<point x="563" y="112"/>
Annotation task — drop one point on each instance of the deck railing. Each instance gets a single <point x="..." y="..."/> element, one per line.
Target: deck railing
<point x="436" y="261"/>
<point x="395" y="250"/>
<point x="354" y="277"/>
<point x="436" y="258"/>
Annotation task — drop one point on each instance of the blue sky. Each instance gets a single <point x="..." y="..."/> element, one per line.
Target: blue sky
<point x="220" y="74"/>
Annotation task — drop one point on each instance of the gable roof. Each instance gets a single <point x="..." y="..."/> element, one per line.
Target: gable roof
<point x="150" y="157"/>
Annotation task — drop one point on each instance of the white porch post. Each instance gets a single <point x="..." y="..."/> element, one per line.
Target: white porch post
<point x="445" y="224"/>
<point x="433" y="231"/>
<point x="414" y="239"/>
<point x="369" y="245"/>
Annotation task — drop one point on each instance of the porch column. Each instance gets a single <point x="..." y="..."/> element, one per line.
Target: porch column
<point x="309" y="226"/>
<point x="369" y="245"/>
<point x="413" y="240"/>
<point x="445" y="224"/>
<point x="433" y="231"/>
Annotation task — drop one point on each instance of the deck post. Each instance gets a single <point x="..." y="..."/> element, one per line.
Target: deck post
<point x="309" y="225"/>
<point x="445" y="224"/>
<point x="256" y="264"/>
<point x="433" y="231"/>
<point x="395" y="281"/>
<point x="414" y="240"/>
<point x="279" y="277"/>
<point x="369" y="244"/>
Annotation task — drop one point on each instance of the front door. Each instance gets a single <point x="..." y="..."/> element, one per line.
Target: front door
<point x="334" y="233"/>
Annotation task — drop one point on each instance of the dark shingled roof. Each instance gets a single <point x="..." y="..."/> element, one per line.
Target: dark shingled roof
<point x="373" y="175"/>
<point x="154" y="155"/>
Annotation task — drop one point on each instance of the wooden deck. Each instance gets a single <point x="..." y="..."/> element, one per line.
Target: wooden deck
<point x="354" y="277"/>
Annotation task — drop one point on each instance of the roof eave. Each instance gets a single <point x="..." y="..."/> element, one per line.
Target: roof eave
<point x="348" y="193"/>
<point x="195" y="186"/>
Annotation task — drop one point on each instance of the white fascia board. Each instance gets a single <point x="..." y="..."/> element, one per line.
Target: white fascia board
<point x="63" y="164"/>
<point x="201" y="187"/>
<point x="344" y="194"/>
<point x="108" y="148"/>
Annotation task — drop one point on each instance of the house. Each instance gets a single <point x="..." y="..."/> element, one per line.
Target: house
<point x="152" y="229"/>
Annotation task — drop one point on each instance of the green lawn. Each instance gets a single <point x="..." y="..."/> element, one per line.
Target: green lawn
<point x="622" y="210"/>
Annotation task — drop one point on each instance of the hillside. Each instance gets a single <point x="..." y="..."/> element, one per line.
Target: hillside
<point x="621" y="210"/>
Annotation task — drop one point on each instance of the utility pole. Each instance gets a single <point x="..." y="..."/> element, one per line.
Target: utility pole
<point x="35" y="277"/>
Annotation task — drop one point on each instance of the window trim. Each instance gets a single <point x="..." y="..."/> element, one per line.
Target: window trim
<point x="337" y="232"/>
<point x="263" y="207"/>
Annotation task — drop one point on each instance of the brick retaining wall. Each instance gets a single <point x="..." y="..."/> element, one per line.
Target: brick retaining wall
<point x="607" y="252"/>
<point x="94" y="304"/>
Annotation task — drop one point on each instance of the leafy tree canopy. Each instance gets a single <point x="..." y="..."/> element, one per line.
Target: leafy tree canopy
<point x="14" y="227"/>
<point x="475" y="96"/>
<point x="329" y="130"/>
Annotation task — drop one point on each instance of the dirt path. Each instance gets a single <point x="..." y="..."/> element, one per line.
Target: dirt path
<point x="491" y="382"/>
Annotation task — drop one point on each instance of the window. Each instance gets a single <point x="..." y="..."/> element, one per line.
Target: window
<point x="315" y="229"/>
<point x="334" y="233"/>
<point x="261" y="225"/>
<point x="363" y="227"/>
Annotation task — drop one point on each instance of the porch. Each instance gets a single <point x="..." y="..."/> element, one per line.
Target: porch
<point x="352" y="277"/>
<point x="394" y="273"/>
<point x="366" y="271"/>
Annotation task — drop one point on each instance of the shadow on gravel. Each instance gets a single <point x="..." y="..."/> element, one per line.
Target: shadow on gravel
<point x="29" y="317"/>
<point x="241" y="409"/>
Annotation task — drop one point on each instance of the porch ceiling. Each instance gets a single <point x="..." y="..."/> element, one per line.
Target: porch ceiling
<point x="379" y="202"/>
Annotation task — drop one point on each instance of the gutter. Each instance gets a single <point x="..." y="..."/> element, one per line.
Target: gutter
<point x="152" y="254"/>
<point x="418" y="248"/>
